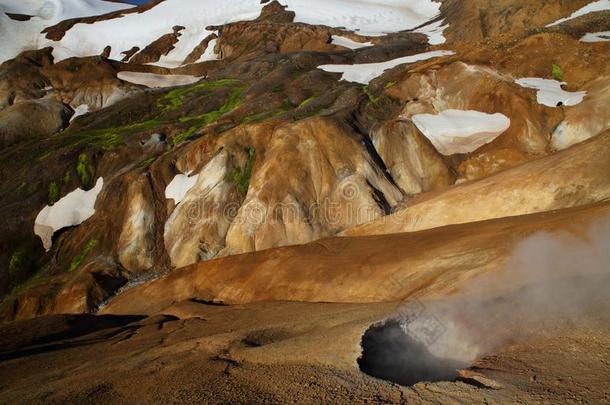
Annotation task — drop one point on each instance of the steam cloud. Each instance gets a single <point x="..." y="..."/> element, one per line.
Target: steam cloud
<point x="550" y="279"/>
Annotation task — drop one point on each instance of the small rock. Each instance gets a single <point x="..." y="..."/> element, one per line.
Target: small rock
<point x="478" y="380"/>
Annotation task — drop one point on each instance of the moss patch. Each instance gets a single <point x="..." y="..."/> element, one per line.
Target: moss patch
<point x="78" y="259"/>
<point x="197" y="122"/>
<point x="18" y="264"/>
<point x="42" y="277"/>
<point x="183" y="136"/>
<point x="145" y="164"/>
<point x="108" y="138"/>
<point x="241" y="179"/>
<point x="53" y="193"/>
<point x="257" y="117"/>
<point x="233" y="101"/>
<point x="175" y="98"/>
<point x="84" y="169"/>
<point x="307" y="101"/>
<point x="371" y="97"/>
<point x="557" y="72"/>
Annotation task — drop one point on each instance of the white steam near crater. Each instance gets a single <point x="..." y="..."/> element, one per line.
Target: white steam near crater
<point x="458" y="131"/>
<point x="73" y="209"/>
<point x="551" y="281"/>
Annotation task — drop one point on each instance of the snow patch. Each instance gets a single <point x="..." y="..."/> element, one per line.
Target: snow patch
<point x="187" y="41"/>
<point x="73" y="209"/>
<point x="80" y="110"/>
<point x="367" y="17"/>
<point x="550" y="92"/>
<point x="434" y="32"/>
<point x="459" y="131"/>
<point x="599" y="5"/>
<point x="596" y="37"/>
<point x="156" y="80"/>
<point x="365" y="72"/>
<point x="18" y="36"/>
<point x="140" y="29"/>
<point x="209" y="53"/>
<point x="348" y="43"/>
<point x="179" y="186"/>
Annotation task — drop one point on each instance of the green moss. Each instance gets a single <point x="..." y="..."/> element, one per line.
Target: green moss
<point x="248" y="119"/>
<point x="233" y="101"/>
<point x="110" y="142"/>
<point x="175" y="98"/>
<point x="145" y="164"/>
<point x="67" y="177"/>
<point x="45" y="155"/>
<point x="372" y="98"/>
<point x="267" y="114"/>
<point x="42" y="277"/>
<point x="83" y="169"/>
<point x="557" y="72"/>
<point x="178" y="139"/>
<point x="307" y="101"/>
<point x="389" y="85"/>
<point x="109" y="138"/>
<point x="241" y="179"/>
<point x="78" y="259"/>
<point x="295" y="71"/>
<point x="18" y="263"/>
<point x="53" y="193"/>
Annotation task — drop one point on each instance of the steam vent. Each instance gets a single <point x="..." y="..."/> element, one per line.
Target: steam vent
<point x="304" y="201"/>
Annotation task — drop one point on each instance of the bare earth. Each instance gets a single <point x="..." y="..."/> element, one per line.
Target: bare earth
<point x="279" y="352"/>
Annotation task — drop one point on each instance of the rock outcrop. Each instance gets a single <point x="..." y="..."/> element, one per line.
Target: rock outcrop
<point x="382" y="268"/>
<point x="574" y="177"/>
<point x="17" y="125"/>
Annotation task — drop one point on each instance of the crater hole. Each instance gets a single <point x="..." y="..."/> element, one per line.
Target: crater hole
<point x="390" y="353"/>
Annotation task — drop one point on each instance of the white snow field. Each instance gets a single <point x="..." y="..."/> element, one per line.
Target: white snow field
<point x="348" y="43"/>
<point x="550" y="92"/>
<point x="365" y="72"/>
<point x="154" y="80"/>
<point x="599" y="5"/>
<point x="460" y="131"/>
<point x="143" y="28"/>
<point x="596" y="37"/>
<point x="18" y="36"/>
<point x="179" y="186"/>
<point x="367" y="17"/>
<point x="73" y="209"/>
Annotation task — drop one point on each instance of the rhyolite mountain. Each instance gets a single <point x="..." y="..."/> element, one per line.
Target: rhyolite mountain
<point x="163" y="157"/>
